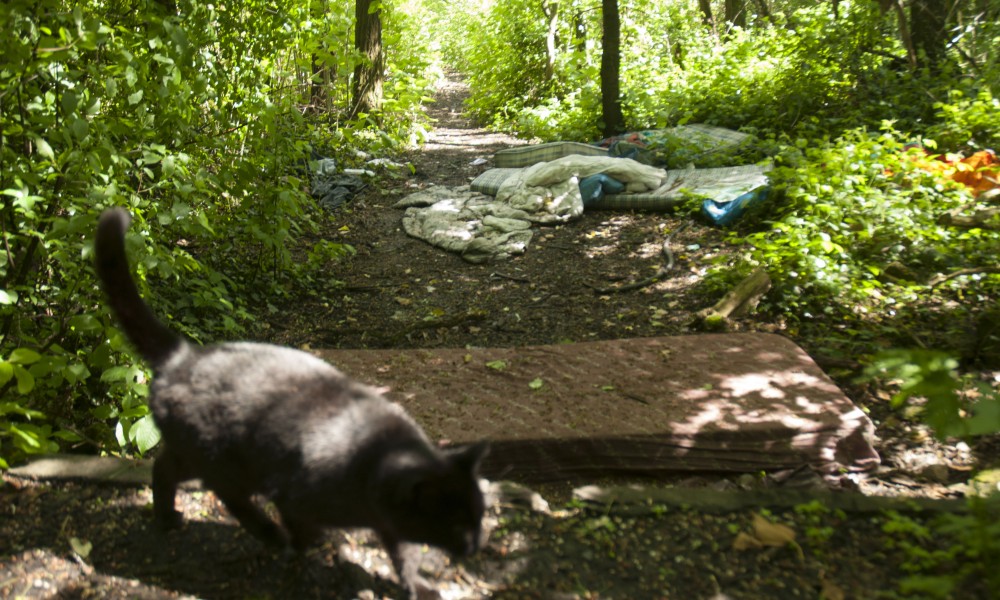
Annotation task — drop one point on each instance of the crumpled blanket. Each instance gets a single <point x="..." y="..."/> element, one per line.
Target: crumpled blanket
<point x="551" y="190"/>
<point x="474" y="225"/>
<point x="483" y="229"/>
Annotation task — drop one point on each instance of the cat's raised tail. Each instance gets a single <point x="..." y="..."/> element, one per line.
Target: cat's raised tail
<point x="154" y="341"/>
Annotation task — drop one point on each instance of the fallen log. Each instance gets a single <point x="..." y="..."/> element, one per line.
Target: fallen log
<point x="981" y="219"/>
<point x="736" y="303"/>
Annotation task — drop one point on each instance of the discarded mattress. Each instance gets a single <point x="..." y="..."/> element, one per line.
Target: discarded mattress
<point x="737" y="403"/>
<point x="694" y="141"/>
<point x="722" y="185"/>
<point x="526" y="156"/>
<point x="728" y="191"/>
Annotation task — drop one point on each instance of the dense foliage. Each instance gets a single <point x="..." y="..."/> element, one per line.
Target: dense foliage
<point x="860" y="237"/>
<point x="199" y="118"/>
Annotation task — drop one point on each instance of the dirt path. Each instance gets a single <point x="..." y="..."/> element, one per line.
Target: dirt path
<point x="402" y="292"/>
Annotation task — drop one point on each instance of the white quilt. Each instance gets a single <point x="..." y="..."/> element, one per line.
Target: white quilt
<point x="484" y="229"/>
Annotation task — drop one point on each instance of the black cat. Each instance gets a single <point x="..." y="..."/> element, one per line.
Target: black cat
<point x="249" y="418"/>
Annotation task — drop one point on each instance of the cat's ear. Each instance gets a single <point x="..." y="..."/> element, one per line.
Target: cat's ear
<point x="470" y="457"/>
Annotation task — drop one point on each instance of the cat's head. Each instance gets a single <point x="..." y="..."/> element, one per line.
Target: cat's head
<point x="441" y="504"/>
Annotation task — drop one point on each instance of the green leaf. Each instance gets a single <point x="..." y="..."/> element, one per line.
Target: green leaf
<point x="6" y="372"/>
<point x="86" y="323"/>
<point x="144" y="434"/>
<point x="536" y="384"/>
<point x="105" y="411"/>
<point x="203" y="220"/>
<point x="81" y="547"/>
<point x="497" y="365"/>
<point x="140" y="410"/>
<point x="44" y="149"/>
<point x="8" y="408"/>
<point x="28" y="439"/>
<point x="25" y="380"/>
<point x="135" y="97"/>
<point x="8" y="297"/>
<point x="80" y="127"/>
<point x="24" y="356"/>
<point x="114" y="374"/>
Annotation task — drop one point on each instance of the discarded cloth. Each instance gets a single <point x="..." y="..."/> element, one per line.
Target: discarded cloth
<point x="483" y="229"/>
<point x="329" y="186"/>
<point x="471" y="224"/>
<point x="727" y="213"/>
<point x="596" y="187"/>
<point x="551" y="190"/>
<point x="979" y="172"/>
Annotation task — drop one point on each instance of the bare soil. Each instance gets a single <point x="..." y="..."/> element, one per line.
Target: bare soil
<point x="87" y="540"/>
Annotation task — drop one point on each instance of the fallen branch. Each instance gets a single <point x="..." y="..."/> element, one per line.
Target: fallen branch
<point x="737" y="302"/>
<point x="471" y="316"/>
<point x="660" y="273"/>
<point x="939" y="279"/>
<point x="977" y="220"/>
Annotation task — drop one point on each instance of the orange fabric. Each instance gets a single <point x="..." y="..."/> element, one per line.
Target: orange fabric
<point x="979" y="172"/>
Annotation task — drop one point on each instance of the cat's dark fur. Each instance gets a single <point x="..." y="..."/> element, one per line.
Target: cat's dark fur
<point x="250" y="418"/>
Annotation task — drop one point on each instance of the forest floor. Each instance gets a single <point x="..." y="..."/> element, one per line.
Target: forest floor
<point x="83" y="539"/>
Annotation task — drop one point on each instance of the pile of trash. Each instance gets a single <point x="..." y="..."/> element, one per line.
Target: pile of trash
<point x="555" y="182"/>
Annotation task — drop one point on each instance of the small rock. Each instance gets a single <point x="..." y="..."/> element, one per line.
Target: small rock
<point x="936" y="473"/>
<point x="519" y="495"/>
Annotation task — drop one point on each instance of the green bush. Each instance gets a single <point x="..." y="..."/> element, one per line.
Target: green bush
<point x="193" y="120"/>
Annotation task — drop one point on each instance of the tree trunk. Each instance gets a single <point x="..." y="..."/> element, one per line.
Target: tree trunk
<point x="904" y="33"/>
<point x="579" y="32"/>
<point x="928" y="28"/>
<point x="763" y="9"/>
<point x="611" y="105"/>
<point x="706" y="13"/>
<point x="551" y="10"/>
<point x="736" y="12"/>
<point x="369" y="75"/>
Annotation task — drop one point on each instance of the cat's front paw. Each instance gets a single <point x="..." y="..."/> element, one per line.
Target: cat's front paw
<point x="167" y="520"/>
<point x="424" y="590"/>
<point x="420" y="589"/>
